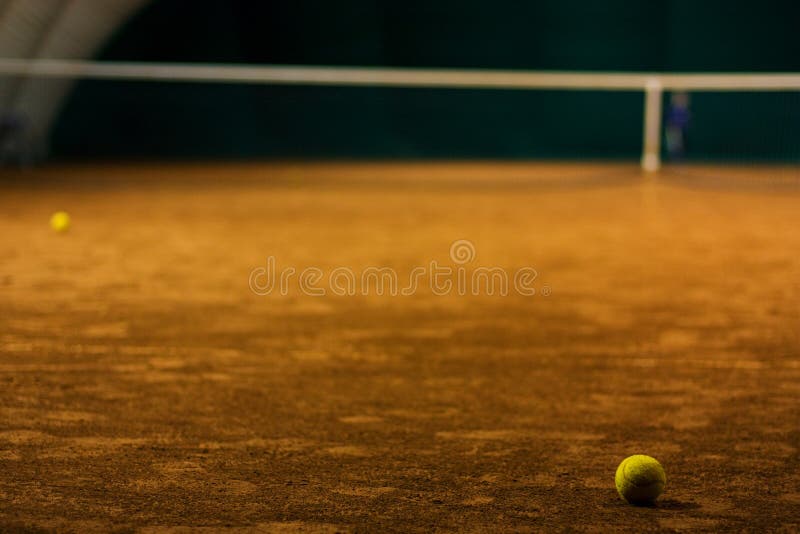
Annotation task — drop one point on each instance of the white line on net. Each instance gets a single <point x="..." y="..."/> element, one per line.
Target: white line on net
<point x="397" y="77"/>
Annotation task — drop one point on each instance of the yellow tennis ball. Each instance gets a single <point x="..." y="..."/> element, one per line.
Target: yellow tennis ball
<point x="640" y="479"/>
<point x="59" y="221"/>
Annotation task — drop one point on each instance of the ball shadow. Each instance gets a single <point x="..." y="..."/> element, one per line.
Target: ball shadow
<point x="672" y="504"/>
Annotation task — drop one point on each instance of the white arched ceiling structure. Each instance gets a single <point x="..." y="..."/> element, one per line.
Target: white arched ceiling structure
<point x="50" y="29"/>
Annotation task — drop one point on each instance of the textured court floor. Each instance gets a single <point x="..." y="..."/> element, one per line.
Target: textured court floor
<point x="144" y="386"/>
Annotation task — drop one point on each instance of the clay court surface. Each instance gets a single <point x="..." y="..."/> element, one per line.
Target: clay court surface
<point x="145" y="387"/>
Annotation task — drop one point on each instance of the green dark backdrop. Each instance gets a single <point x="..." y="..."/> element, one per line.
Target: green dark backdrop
<point x="135" y="119"/>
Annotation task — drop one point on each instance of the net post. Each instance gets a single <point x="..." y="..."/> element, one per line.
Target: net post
<point x="651" y="144"/>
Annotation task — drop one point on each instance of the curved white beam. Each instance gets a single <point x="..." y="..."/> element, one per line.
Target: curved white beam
<point x="22" y="27"/>
<point x="73" y="29"/>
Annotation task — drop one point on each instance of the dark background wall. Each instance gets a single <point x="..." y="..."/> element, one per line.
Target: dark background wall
<point x="135" y="119"/>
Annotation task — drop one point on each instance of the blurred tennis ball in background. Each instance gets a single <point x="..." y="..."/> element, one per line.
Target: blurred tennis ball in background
<point x="60" y="221"/>
<point x="640" y="479"/>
